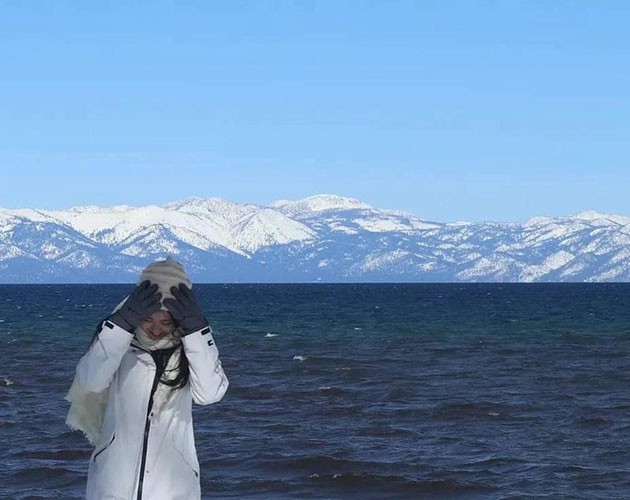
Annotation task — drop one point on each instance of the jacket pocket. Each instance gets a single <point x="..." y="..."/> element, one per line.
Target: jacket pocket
<point x="104" y="448"/>
<point x="188" y="456"/>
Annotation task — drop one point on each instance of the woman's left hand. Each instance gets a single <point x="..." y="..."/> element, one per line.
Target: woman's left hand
<point x="185" y="310"/>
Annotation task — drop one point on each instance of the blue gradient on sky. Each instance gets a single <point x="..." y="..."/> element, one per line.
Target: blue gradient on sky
<point x="451" y="110"/>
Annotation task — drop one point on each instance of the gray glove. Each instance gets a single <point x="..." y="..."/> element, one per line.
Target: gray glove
<point x="185" y="310"/>
<point x="141" y="303"/>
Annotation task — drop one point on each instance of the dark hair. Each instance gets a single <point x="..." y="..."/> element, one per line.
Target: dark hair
<point x="183" y="371"/>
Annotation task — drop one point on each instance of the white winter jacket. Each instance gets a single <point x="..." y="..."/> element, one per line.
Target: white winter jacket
<point x="133" y="439"/>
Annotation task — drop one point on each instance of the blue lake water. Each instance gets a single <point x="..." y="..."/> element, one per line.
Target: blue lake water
<point x="364" y="391"/>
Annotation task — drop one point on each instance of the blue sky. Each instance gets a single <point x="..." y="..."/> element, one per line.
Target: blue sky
<point x="452" y="110"/>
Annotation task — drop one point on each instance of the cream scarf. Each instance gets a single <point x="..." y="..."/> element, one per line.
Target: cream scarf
<point x="87" y="409"/>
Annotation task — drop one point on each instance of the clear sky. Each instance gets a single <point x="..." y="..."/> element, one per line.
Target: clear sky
<point x="451" y="110"/>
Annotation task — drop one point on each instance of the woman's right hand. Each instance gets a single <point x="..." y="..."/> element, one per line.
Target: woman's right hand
<point x="141" y="303"/>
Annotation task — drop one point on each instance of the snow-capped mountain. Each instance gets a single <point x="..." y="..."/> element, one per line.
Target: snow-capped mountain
<point x="321" y="238"/>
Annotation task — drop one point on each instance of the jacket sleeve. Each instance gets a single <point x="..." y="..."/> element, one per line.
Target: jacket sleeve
<point x="98" y="365"/>
<point x="208" y="382"/>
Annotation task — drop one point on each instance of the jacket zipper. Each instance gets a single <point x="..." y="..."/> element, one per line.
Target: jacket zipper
<point x="147" y="427"/>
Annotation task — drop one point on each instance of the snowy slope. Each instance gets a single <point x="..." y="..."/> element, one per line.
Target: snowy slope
<point x="320" y="238"/>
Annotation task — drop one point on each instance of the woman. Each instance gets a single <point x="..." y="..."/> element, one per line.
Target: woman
<point x="133" y="390"/>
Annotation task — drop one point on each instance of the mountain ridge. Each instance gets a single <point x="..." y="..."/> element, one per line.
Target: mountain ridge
<point x="322" y="238"/>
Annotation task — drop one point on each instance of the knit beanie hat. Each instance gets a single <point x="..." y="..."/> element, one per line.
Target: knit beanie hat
<point x="165" y="274"/>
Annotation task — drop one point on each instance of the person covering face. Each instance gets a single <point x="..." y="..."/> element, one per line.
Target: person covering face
<point x="133" y="390"/>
